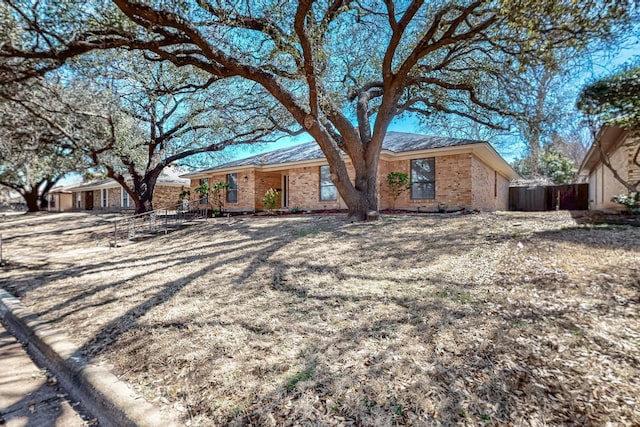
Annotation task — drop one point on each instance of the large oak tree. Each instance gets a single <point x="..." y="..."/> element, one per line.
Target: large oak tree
<point x="174" y="113"/>
<point x="34" y="155"/>
<point x="341" y="69"/>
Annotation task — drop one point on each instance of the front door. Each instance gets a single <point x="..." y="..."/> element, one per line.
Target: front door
<point x="88" y="200"/>
<point x="285" y="191"/>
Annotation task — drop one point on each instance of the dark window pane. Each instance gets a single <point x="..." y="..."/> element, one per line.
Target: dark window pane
<point x="232" y="190"/>
<point x="423" y="179"/>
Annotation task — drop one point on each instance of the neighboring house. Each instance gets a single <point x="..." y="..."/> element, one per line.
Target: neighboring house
<point x="108" y="195"/>
<point x="620" y="147"/>
<point x="60" y="198"/>
<point x="454" y="172"/>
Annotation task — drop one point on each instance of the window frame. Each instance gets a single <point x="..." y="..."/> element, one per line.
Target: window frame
<point x="124" y="195"/>
<point x="413" y="182"/>
<point x="326" y="185"/>
<point x="231" y="189"/>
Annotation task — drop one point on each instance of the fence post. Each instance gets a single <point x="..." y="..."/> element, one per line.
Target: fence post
<point x="115" y="233"/>
<point x="1" y="257"/>
<point x="166" y="221"/>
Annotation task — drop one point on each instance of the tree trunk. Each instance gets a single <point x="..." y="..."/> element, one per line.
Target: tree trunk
<point x="144" y="189"/>
<point x="32" y="199"/>
<point x="364" y="199"/>
<point x="144" y="202"/>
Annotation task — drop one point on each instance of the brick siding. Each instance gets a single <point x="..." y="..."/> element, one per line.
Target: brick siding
<point x="458" y="178"/>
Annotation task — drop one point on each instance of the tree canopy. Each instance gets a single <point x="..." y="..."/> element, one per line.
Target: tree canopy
<point x="342" y="70"/>
<point x="615" y="99"/>
<point x="173" y="113"/>
<point x="34" y="154"/>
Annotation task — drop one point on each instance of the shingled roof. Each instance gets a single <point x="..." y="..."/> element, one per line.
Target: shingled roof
<point x="395" y="142"/>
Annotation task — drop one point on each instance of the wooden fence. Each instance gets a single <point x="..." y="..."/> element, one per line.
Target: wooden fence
<point x="549" y="198"/>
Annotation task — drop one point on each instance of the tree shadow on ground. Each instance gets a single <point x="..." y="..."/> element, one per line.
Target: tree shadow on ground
<point x="432" y="350"/>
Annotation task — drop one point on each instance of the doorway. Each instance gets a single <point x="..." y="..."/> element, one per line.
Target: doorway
<point x="285" y="191"/>
<point x="88" y="200"/>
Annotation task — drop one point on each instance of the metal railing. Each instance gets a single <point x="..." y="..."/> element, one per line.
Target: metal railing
<point x="157" y="221"/>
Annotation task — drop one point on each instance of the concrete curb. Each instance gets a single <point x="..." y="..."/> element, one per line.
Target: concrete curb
<point x="107" y="398"/>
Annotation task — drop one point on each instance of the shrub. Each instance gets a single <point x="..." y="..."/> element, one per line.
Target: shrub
<point x="218" y="195"/>
<point x="398" y="183"/>
<point x="631" y="201"/>
<point x="270" y="199"/>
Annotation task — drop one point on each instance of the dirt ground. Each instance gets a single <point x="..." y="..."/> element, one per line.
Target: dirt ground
<point x="486" y="319"/>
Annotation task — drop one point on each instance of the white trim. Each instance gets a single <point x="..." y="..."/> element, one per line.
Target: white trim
<point x="483" y="150"/>
<point x="123" y="194"/>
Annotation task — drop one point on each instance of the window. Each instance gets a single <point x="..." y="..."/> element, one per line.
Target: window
<point x="423" y="178"/>
<point x="105" y="201"/>
<point x="232" y="190"/>
<point x="328" y="191"/>
<point x="125" y="198"/>
<point x="78" y="200"/>
<point x="52" y="201"/>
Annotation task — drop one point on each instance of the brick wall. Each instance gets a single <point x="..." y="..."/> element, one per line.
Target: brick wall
<point x="490" y="189"/>
<point x="166" y="196"/>
<point x="246" y="190"/>
<point x="454" y="186"/>
<point x="502" y="203"/>
<point x="607" y="185"/>
<point x="633" y="144"/>
<point x="264" y="181"/>
<point x="304" y="189"/>
<point x="453" y="183"/>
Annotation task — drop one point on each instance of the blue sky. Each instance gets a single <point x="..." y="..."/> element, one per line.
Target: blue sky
<point x="599" y="67"/>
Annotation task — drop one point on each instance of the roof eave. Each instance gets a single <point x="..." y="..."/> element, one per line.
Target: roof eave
<point x="608" y="136"/>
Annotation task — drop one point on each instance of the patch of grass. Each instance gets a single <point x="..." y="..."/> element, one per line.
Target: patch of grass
<point x="303" y="375"/>
<point x="302" y="232"/>
<point x="603" y="226"/>
<point x="336" y="408"/>
<point x="398" y="409"/>
<point x="382" y="330"/>
<point x="369" y="403"/>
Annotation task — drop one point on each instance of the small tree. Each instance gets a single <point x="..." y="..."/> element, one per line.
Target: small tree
<point x="398" y="183"/>
<point x="218" y="196"/>
<point x="270" y="199"/>
<point x="558" y="167"/>
<point x="202" y="190"/>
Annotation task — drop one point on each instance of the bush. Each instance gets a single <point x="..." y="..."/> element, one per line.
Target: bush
<point x="270" y="199"/>
<point x="631" y="201"/>
<point x="398" y="183"/>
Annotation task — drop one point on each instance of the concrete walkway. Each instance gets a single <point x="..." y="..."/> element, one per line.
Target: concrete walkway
<point x="28" y="395"/>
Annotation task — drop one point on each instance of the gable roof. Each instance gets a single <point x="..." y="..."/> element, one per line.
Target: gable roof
<point x="394" y="142"/>
<point x="609" y="136"/>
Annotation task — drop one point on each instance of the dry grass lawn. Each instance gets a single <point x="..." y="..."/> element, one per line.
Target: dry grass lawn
<point x="486" y="319"/>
